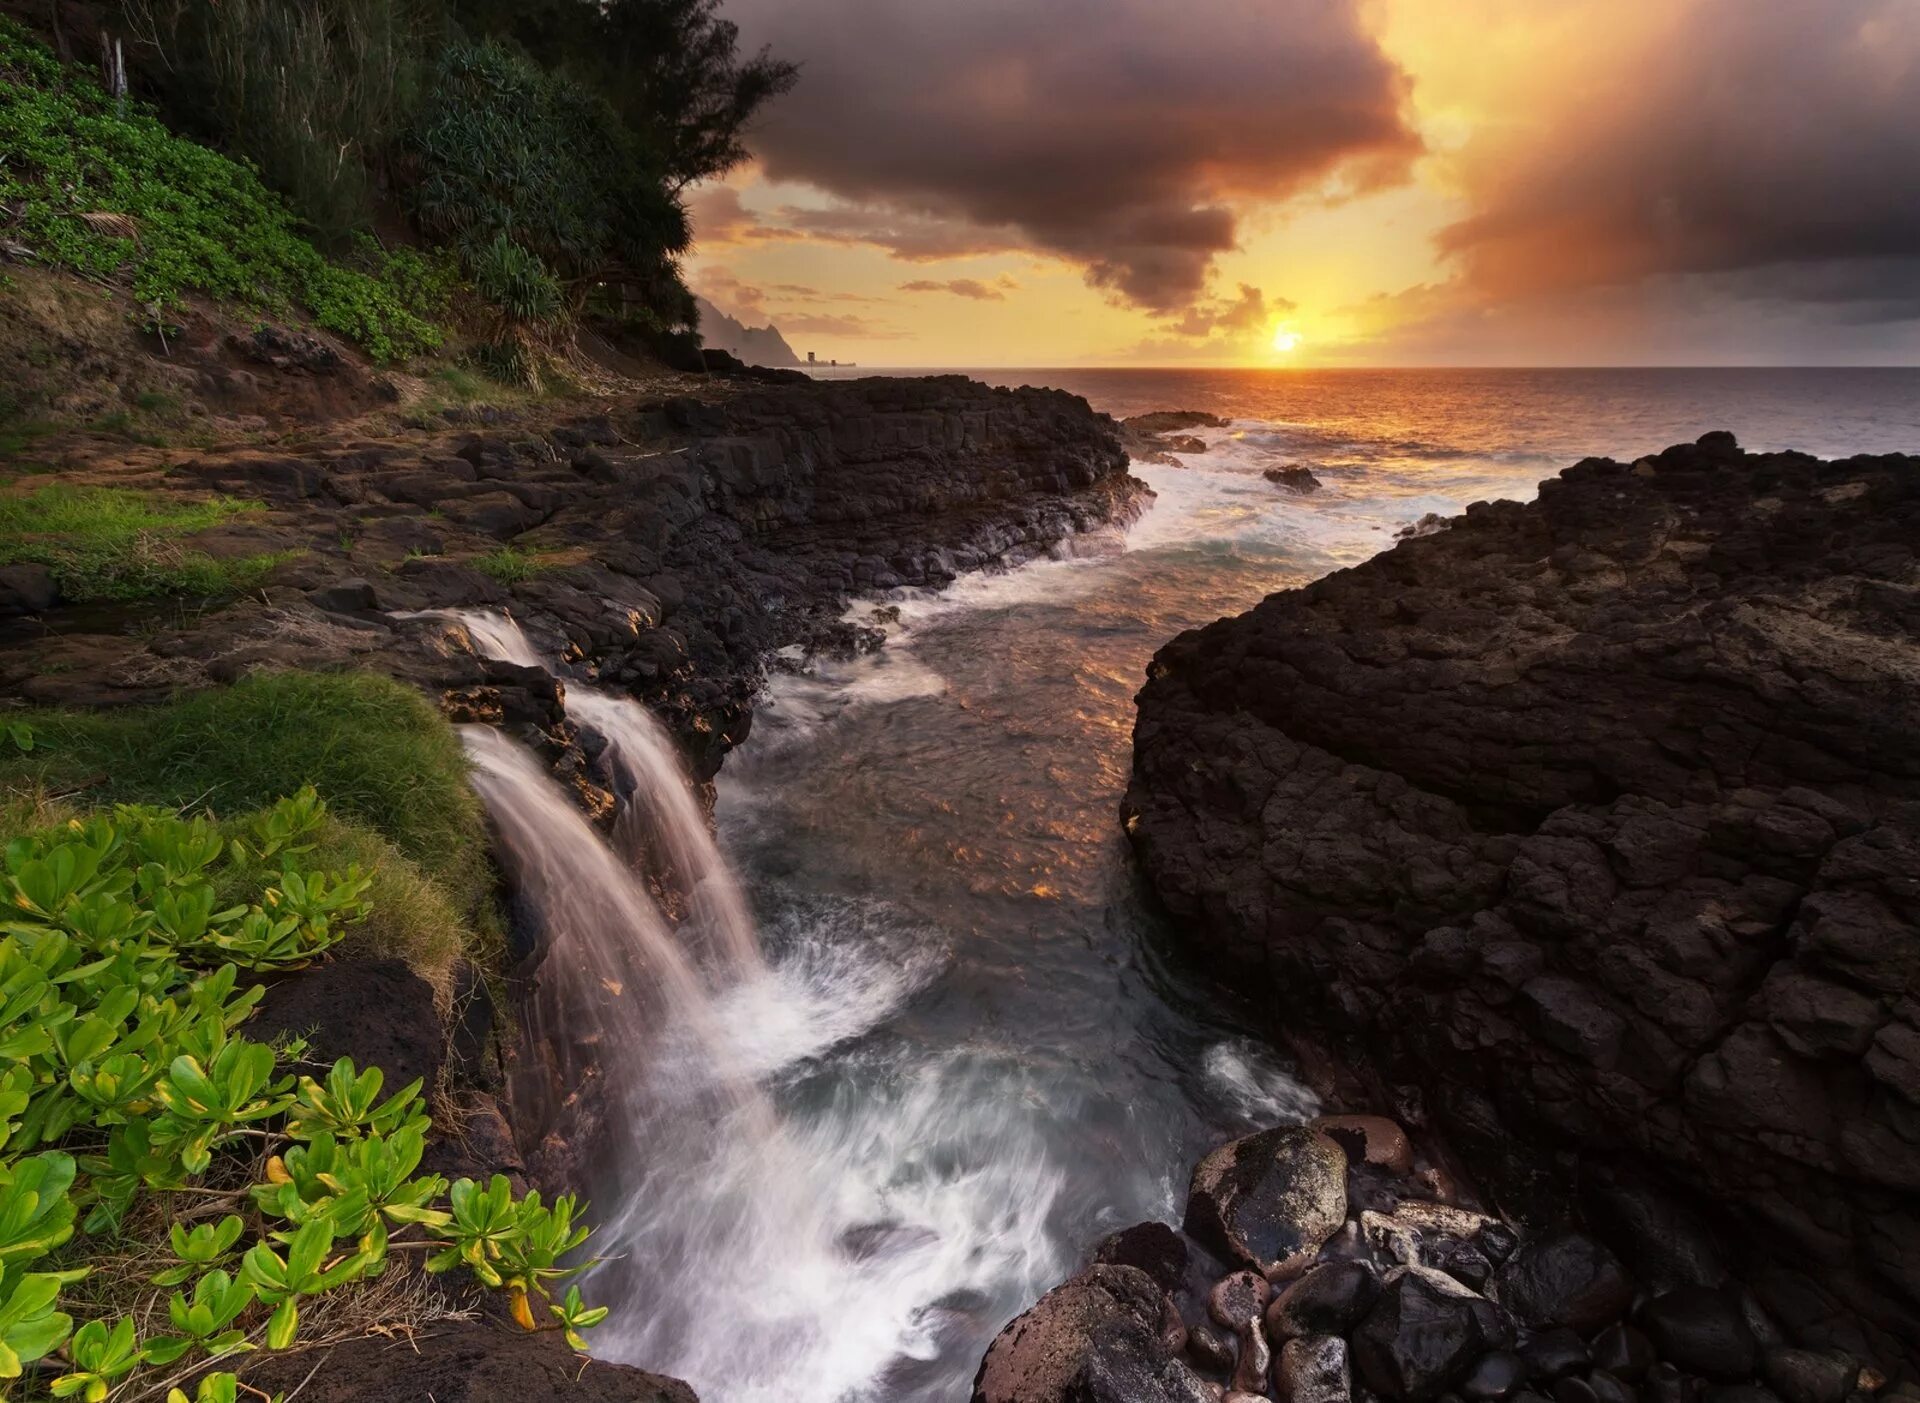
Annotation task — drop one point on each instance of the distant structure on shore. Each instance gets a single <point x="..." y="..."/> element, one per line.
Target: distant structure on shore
<point x="756" y="345"/>
<point x="832" y="364"/>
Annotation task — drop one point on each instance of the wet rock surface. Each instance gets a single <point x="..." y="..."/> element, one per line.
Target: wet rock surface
<point x="1597" y="821"/>
<point x="1156" y="437"/>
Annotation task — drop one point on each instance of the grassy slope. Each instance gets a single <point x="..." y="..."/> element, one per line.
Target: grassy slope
<point x="390" y="769"/>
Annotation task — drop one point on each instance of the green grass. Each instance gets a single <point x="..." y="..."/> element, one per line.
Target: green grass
<point x="114" y="543"/>
<point x="376" y="750"/>
<point x="510" y="566"/>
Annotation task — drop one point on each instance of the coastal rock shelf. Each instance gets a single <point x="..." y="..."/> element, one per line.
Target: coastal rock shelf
<point x="1593" y="825"/>
<point x="671" y="547"/>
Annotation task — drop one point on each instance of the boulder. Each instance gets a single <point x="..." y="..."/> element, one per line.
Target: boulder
<point x="1270" y="1199"/>
<point x="1095" y="1339"/>
<point x="1423" y="1334"/>
<point x="1704" y="1331"/>
<point x="1374" y="1140"/>
<point x="1566" y="1279"/>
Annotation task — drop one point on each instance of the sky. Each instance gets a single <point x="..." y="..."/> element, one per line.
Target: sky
<point x="1329" y="182"/>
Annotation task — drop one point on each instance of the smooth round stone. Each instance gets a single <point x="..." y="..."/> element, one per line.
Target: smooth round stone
<point x="1567" y="1279"/>
<point x="1704" y="1331"/>
<point x="1269" y="1200"/>
<point x="1623" y="1352"/>
<point x="1809" y="1376"/>
<point x="1609" y="1388"/>
<point x="1256" y="1359"/>
<point x="1495" y="1377"/>
<point x="1553" y="1354"/>
<point x="1666" y="1384"/>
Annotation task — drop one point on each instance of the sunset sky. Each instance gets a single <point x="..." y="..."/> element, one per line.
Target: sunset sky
<point x="1330" y="182"/>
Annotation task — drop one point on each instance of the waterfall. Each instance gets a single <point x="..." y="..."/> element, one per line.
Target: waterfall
<point x="659" y="814"/>
<point x="763" y="1256"/>
<point x="609" y="974"/>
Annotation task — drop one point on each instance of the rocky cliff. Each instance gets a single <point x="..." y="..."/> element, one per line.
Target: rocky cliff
<point x="1595" y="824"/>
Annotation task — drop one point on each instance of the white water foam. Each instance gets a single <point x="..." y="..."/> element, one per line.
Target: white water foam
<point x="1250" y="1082"/>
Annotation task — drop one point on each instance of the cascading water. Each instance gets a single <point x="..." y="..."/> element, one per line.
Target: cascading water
<point x="660" y="815"/>
<point x="758" y="1253"/>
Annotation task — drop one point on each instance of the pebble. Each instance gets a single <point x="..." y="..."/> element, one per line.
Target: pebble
<point x="1555" y="1353"/>
<point x="1328" y="1300"/>
<point x="1238" y="1298"/>
<point x="1704" y="1331"/>
<point x="1495" y="1377"/>
<point x="1313" y="1369"/>
<point x="1623" y="1352"/>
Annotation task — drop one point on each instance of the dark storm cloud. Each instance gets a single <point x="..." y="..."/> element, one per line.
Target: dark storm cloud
<point x="1114" y="133"/>
<point x="1774" y="147"/>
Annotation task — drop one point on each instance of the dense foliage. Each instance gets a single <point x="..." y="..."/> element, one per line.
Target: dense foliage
<point x="130" y="1099"/>
<point x="546" y="142"/>
<point x="103" y="188"/>
<point x="670" y="69"/>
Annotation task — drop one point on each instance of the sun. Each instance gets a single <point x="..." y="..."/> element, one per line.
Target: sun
<point x="1285" y="339"/>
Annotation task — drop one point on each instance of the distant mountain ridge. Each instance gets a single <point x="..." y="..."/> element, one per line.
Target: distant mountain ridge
<point x="756" y="345"/>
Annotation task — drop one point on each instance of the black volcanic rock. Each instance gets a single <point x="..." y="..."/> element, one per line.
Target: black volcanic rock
<point x="1598" y="820"/>
<point x="1423" y="1333"/>
<point x="1094" y="1339"/>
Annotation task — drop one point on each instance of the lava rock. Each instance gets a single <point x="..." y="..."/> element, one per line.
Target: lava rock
<point x="1094" y="1339"/>
<point x="458" y="1361"/>
<point x="1155" y="1248"/>
<point x="346" y="597"/>
<point x="1294" y="479"/>
<point x="1269" y="1199"/>
<point x="1702" y="1330"/>
<point x="378" y="1012"/>
<point x="1809" y="1376"/>
<point x="1313" y="1369"/>
<point x="1423" y="1333"/>
<point x="1576" y="737"/>
<point x="1329" y="1300"/>
<point x="1567" y="1280"/>
<point x="1495" y="1377"/>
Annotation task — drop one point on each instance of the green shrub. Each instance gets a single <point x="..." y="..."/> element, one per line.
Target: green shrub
<point x="109" y="543"/>
<point x="125" y="1078"/>
<point x="113" y="195"/>
<point x="376" y="751"/>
